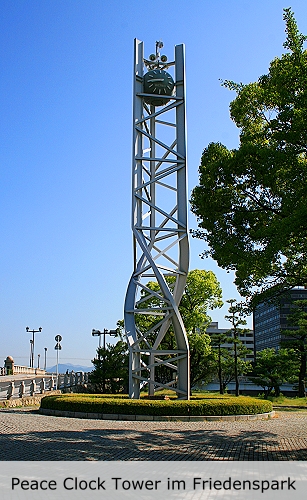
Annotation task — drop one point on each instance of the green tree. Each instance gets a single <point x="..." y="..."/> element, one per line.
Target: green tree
<point x="222" y="356"/>
<point x="230" y="367"/>
<point x="111" y="369"/>
<point x="236" y="319"/>
<point x="251" y="202"/>
<point x="202" y="293"/>
<point x="202" y="363"/>
<point x="296" y="338"/>
<point x="274" y="368"/>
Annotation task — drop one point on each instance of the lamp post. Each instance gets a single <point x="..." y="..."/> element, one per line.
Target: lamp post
<point x="98" y="333"/>
<point x="45" y="361"/>
<point x="38" y="358"/>
<point x="32" y="344"/>
<point x="31" y="350"/>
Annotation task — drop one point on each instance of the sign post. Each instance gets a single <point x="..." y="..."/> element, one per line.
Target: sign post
<point x="57" y="347"/>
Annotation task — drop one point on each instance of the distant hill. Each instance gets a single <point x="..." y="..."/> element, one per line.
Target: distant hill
<point x="63" y="367"/>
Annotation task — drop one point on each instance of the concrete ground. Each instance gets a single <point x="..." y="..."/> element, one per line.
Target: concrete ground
<point x="27" y="435"/>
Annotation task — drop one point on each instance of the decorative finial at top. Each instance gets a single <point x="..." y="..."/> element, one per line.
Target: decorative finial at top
<point x="155" y="60"/>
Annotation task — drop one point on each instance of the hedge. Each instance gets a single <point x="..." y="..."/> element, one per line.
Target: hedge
<point x="99" y="403"/>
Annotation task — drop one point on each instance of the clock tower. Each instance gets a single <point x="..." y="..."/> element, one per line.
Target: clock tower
<point x="158" y="344"/>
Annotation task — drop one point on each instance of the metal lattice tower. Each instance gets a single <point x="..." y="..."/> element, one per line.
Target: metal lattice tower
<point x="159" y="225"/>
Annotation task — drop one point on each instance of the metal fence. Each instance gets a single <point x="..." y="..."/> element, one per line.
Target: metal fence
<point x="21" y="387"/>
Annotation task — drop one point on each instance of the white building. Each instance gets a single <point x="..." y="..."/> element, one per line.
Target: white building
<point x="247" y="338"/>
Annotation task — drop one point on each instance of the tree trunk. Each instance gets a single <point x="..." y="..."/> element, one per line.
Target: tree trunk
<point x="220" y="371"/>
<point x="236" y="368"/>
<point x="277" y="390"/>
<point x="302" y="373"/>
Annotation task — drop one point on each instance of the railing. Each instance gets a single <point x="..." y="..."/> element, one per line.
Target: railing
<point x="22" y="370"/>
<point x="18" y="388"/>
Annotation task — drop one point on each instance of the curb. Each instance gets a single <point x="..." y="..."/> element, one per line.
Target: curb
<point x="293" y="407"/>
<point x="155" y="418"/>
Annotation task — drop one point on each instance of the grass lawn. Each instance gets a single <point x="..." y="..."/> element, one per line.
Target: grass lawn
<point x="283" y="401"/>
<point x="277" y="401"/>
<point x="280" y="401"/>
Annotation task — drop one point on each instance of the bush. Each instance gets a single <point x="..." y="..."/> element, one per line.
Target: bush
<point x="205" y="406"/>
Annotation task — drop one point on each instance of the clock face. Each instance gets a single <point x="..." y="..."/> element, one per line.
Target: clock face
<point x="158" y="83"/>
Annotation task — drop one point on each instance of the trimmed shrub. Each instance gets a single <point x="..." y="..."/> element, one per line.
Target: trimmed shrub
<point x="204" y="406"/>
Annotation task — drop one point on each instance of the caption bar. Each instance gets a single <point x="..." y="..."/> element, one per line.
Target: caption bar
<point x="153" y="480"/>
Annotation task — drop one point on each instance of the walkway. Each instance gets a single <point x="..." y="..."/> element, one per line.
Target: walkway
<point x="27" y="435"/>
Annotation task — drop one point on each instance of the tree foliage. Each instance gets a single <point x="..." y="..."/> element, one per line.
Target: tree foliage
<point x="232" y="367"/>
<point x="274" y="368"/>
<point x="221" y="355"/>
<point x="251" y="202"/>
<point x="296" y="338"/>
<point x="202" y="361"/>
<point x="202" y="293"/>
<point x="111" y="369"/>
<point x="229" y="364"/>
<point x="240" y="365"/>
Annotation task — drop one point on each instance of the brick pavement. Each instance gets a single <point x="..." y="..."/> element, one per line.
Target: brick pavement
<point x="27" y="435"/>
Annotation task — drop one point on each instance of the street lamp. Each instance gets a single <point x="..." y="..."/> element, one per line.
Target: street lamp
<point x="31" y="350"/>
<point x="38" y="358"/>
<point x="45" y="361"/>
<point x="98" y="333"/>
<point x="32" y="344"/>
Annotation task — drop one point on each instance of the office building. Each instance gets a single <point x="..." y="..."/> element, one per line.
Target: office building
<point x="246" y="337"/>
<point x="271" y="318"/>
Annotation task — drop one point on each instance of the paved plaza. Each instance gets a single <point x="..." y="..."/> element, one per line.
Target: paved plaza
<point x="27" y="435"/>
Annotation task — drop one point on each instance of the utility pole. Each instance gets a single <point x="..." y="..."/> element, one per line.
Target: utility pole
<point x="45" y="360"/>
<point x="32" y="344"/>
<point x="98" y="333"/>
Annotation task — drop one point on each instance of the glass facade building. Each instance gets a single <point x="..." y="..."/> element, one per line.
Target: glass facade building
<point x="271" y="318"/>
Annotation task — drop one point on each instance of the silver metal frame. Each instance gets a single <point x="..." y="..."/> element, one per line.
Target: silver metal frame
<point x="159" y="225"/>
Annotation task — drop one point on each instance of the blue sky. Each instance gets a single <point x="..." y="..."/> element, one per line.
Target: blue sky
<point x="65" y="148"/>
